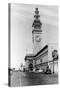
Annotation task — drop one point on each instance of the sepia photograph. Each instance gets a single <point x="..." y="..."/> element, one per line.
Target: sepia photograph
<point x="33" y="44"/>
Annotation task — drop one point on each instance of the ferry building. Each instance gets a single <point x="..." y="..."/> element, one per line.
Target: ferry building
<point x="42" y="55"/>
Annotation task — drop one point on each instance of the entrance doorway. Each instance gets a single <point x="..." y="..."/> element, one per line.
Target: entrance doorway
<point x="30" y="67"/>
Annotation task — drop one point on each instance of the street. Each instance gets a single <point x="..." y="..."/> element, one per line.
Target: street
<point x="30" y="78"/>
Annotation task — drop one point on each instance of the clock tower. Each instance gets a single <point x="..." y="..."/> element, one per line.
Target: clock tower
<point x="36" y="32"/>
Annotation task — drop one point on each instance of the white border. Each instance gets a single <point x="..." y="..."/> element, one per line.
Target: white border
<point x="4" y="42"/>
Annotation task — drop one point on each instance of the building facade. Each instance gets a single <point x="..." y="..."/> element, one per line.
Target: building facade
<point x="41" y="57"/>
<point x="29" y="61"/>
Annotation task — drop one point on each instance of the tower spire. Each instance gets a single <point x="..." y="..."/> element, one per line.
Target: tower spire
<point x="36" y="13"/>
<point x="37" y="23"/>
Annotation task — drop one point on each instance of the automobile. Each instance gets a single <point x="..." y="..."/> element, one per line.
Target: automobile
<point x="48" y="71"/>
<point x="38" y="70"/>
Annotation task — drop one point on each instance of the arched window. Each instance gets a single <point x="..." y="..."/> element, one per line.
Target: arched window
<point x="41" y="60"/>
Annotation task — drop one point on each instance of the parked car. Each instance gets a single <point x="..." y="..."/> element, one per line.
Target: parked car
<point x="38" y="70"/>
<point x="48" y="71"/>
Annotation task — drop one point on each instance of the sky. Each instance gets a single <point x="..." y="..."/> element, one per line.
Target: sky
<point x="22" y="17"/>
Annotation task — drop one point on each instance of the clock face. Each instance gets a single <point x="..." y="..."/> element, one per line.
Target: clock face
<point x="37" y="39"/>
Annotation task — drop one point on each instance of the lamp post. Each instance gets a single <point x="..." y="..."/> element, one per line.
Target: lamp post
<point x="41" y="63"/>
<point x="54" y="56"/>
<point x="53" y="65"/>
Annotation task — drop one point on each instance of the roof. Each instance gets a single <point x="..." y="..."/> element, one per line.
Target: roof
<point x="37" y="31"/>
<point x="41" y="50"/>
<point x="32" y="56"/>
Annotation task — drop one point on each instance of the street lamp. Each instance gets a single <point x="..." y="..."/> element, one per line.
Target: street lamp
<point x="41" y="63"/>
<point x="54" y="56"/>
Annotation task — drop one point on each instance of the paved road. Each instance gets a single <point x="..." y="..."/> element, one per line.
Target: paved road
<point x="28" y="79"/>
